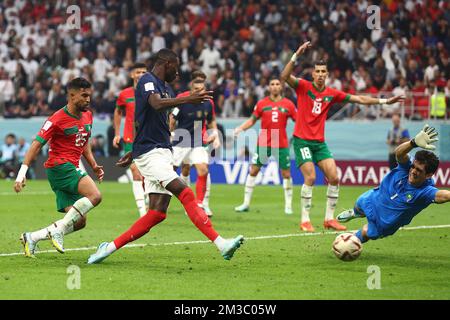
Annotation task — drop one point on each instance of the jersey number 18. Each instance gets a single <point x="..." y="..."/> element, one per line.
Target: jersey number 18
<point x="317" y="109"/>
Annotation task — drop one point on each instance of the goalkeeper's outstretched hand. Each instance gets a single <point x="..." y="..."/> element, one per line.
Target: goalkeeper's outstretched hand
<point x="426" y="138"/>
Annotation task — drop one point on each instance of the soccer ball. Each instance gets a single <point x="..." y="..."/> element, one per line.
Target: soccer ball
<point x="347" y="247"/>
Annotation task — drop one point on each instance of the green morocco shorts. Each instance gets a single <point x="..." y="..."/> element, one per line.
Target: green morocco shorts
<point x="263" y="154"/>
<point x="127" y="147"/>
<point x="310" y="151"/>
<point x="64" y="182"/>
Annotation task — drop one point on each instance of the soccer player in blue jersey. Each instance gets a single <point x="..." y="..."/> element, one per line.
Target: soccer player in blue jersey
<point x="190" y="138"/>
<point x="152" y="154"/>
<point x="403" y="193"/>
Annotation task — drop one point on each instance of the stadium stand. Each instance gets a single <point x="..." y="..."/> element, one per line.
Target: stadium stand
<point x="238" y="44"/>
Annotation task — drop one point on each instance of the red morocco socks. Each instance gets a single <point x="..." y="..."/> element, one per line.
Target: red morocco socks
<point x="196" y="214"/>
<point x="139" y="228"/>
<point x="200" y="187"/>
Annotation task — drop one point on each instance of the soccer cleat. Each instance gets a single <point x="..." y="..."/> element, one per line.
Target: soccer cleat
<point x="307" y="226"/>
<point x="57" y="240"/>
<point x="242" y="208"/>
<point x="333" y="224"/>
<point x="29" y="246"/>
<point x="231" y="246"/>
<point x="348" y="215"/>
<point x="288" y="211"/>
<point x="100" y="255"/>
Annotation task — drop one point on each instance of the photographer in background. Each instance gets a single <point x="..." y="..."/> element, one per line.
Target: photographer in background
<point x="396" y="136"/>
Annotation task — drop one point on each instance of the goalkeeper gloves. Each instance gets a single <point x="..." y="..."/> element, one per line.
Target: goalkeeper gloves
<point x="425" y="138"/>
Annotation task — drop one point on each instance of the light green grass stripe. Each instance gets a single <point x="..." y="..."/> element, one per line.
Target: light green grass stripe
<point x="136" y="245"/>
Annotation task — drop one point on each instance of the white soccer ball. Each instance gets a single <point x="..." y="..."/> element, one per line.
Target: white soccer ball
<point x="347" y="247"/>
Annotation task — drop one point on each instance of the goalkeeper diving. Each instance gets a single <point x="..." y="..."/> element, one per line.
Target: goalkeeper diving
<point x="403" y="193"/>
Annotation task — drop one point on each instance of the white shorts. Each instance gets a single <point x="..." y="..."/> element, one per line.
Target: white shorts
<point x="190" y="156"/>
<point x="156" y="166"/>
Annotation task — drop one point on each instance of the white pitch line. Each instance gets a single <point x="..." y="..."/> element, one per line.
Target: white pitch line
<point x="137" y="245"/>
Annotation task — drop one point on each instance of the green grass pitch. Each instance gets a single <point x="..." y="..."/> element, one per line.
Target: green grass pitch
<point x="413" y="264"/>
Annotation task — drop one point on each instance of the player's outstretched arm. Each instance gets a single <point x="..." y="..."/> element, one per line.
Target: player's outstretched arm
<point x="32" y="153"/>
<point x="161" y="104"/>
<point x="286" y="74"/>
<point x="442" y="196"/>
<point x="117" y="119"/>
<point x="247" y="124"/>
<point x="89" y="156"/>
<point x="424" y="139"/>
<point x="369" y="100"/>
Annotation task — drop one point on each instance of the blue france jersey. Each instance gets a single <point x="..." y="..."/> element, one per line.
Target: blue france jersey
<point x="192" y="120"/>
<point x="152" y="126"/>
<point x="395" y="202"/>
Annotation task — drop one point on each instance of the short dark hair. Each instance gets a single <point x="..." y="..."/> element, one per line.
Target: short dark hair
<point x="198" y="80"/>
<point x="198" y="74"/>
<point x="321" y="62"/>
<point x="138" y="65"/>
<point x="78" y="83"/>
<point x="11" y="135"/>
<point x="428" y="158"/>
<point x="165" y="55"/>
<point x="274" y="78"/>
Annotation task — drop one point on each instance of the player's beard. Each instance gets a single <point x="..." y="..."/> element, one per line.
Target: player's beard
<point x="171" y="76"/>
<point x="84" y="108"/>
<point x="320" y="82"/>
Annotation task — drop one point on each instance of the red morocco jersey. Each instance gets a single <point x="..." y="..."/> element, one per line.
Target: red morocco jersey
<point x="67" y="135"/>
<point x="126" y="100"/>
<point x="274" y="117"/>
<point x="312" y="109"/>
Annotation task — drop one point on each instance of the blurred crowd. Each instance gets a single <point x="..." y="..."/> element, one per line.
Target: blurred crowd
<point x="13" y="150"/>
<point x="239" y="45"/>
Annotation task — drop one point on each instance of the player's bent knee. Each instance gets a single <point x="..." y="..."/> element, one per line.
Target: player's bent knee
<point x="202" y="170"/>
<point x="95" y="198"/>
<point x="254" y="170"/>
<point x="286" y="174"/>
<point x="310" y="181"/>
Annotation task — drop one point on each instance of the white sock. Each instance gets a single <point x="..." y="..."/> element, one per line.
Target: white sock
<point x="332" y="199"/>
<point x="208" y="188"/>
<point x="186" y="179"/>
<point x="306" y="195"/>
<point x="129" y="174"/>
<point x="39" y="235"/>
<point x="287" y="186"/>
<point x="42" y="234"/>
<point x="220" y="242"/>
<point x="79" y="209"/>
<point x="139" y="196"/>
<point x="111" y="247"/>
<point x="249" y="185"/>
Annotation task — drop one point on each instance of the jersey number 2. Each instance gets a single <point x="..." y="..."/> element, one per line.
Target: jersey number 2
<point x="274" y="116"/>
